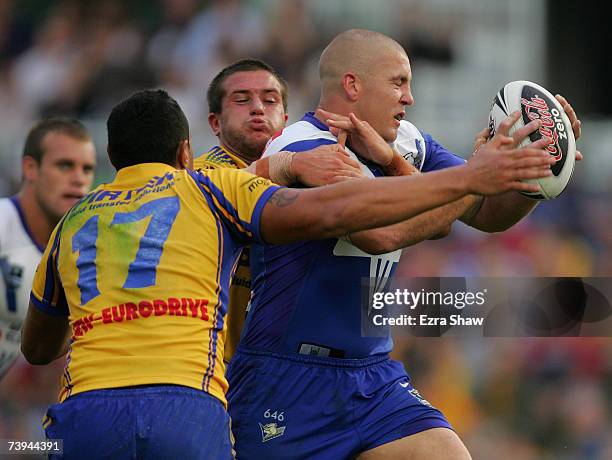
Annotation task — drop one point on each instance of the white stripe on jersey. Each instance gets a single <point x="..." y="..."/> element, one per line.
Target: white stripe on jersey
<point x="409" y="142"/>
<point x="305" y="131"/>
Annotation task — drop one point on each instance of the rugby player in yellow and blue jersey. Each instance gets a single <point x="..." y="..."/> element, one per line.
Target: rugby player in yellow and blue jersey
<point x="247" y="103"/>
<point x="134" y="282"/>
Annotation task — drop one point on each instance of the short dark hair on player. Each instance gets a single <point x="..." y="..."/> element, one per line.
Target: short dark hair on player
<point x="68" y="126"/>
<point x="147" y="127"/>
<point x="216" y="92"/>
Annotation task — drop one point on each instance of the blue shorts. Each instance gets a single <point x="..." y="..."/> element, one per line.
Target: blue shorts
<point x="306" y="407"/>
<point x="144" y="422"/>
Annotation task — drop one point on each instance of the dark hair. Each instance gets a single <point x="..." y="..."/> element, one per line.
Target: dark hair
<point x="216" y="92"/>
<point x="68" y="126"/>
<point x="147" y="127"/>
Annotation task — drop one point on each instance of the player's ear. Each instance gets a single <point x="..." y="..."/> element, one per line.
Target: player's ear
<point x="30" y="167"/>
<point x="110" y="158"/>
<point x="184" y="157"/>
<point x="351" y="86"/>
<point x="213" y="122"/>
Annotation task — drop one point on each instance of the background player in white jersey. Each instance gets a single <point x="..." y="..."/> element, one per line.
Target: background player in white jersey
<point x="57" y="167"/>
<point x="341" y="395"/>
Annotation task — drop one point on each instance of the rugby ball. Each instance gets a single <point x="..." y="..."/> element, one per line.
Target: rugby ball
<point x="535" y="102"/>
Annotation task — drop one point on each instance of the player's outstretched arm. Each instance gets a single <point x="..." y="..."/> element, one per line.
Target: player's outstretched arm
<point x="430" y="224"/>
<point x="44" y="337"/>
<point x="339" y="209"/>
<point x="323" y="165"/>
<point x="369" y="144"/>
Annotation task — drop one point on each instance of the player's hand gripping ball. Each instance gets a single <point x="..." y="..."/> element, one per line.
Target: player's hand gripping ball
<point x="535" y="102"/>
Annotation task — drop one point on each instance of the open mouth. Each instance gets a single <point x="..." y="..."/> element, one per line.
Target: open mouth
<point x="399" y="116"/>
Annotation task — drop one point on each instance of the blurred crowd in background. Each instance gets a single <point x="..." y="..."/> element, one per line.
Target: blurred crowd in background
<point x="508" y="398"/>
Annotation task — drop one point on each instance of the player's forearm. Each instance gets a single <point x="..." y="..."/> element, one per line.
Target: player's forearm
<point x="360" y="204"/>
<point x="281" y="168"/>
<point x="399" y="166"/>
<point x="430" y="224"/>
<point x="499" y="213"/>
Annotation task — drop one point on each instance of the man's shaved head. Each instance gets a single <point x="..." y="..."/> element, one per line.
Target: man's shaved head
<point x="368" y="74"/>
<point x="358" y="51"/>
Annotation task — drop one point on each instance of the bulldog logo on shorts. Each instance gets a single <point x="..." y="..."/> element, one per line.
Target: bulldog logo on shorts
<point x="271" y="431"/>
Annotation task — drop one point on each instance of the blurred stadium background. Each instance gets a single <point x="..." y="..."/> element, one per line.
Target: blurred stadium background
<point x="508" y="398"/>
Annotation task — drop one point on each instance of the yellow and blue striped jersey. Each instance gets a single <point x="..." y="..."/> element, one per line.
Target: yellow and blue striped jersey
<point x="240" y="288"/>
<point x="219" y="157"/>
<point x="142" y="268"/>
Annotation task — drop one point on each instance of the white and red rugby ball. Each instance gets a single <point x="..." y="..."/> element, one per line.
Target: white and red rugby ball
<point x="535" y="102"/>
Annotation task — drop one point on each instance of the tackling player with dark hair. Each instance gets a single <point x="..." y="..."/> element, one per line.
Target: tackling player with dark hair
<point x="247" y="101"/>
<point x="135" y="134"/>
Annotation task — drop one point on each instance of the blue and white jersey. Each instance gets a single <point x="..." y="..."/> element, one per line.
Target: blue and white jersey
<point x="19" y="257"/>
<point x="306" y="297"/>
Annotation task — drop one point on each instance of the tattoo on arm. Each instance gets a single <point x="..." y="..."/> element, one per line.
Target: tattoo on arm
<point x="284" y="197"/>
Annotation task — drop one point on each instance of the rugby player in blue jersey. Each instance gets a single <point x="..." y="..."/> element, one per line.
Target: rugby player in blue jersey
<point x="304" y="383"/>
